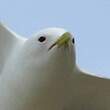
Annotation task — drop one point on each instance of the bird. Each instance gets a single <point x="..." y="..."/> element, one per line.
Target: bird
<point x="41" y="73"/>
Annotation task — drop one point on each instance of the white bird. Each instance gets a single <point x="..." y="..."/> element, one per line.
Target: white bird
<point x="40" y="73"/>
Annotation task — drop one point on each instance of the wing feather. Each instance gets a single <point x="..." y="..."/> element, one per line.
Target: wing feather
<point x="8" y="40"/>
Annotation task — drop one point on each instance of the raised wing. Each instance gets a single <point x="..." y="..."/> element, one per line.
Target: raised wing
<point x="89" y="92"/>
<point x="92" y="81"/>
<point x="8" y="40"/>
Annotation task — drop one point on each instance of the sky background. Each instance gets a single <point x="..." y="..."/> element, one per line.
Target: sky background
<point x="89" y="20"/>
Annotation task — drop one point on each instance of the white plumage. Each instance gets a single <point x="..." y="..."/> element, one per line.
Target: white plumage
<point x="40" y="73"/>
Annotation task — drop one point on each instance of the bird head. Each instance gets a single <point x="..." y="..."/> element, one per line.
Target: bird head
<point x="52" y="46"/>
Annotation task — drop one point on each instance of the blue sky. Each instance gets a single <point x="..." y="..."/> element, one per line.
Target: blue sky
<point x="89" y="20"/>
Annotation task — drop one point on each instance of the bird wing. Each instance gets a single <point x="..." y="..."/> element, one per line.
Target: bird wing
<point x="90" y="80"/>
<point x="89" y="92"/>
<point x="8" y="40"/>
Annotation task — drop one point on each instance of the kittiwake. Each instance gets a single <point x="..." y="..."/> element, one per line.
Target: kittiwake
<point x="40" y="73"/>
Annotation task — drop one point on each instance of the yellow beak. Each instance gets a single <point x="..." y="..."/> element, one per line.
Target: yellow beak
<point x="63" y="40"/>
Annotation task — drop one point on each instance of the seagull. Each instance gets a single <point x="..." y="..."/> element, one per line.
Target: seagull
<point x="40" y="73"/>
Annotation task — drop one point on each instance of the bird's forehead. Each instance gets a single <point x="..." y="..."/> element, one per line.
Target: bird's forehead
<point x="55" y="32"/>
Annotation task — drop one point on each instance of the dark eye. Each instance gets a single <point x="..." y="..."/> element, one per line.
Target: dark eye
<point x="73" y="41"/>
<point x="42" y="39"/>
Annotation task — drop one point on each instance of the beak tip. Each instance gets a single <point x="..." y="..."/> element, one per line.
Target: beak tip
<point x="64" y="39"/>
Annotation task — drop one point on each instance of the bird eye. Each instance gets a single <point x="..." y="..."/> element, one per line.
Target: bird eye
<point x="42" y="39"/>
<point x="73" y="41"/>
